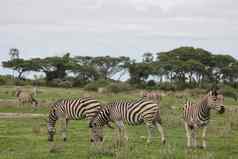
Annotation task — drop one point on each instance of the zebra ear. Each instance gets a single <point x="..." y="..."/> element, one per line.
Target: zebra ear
<point x="214" y="93"/>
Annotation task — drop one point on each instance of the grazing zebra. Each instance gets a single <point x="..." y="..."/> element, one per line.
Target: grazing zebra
<point x="197" y="116"/>
<point x="133" y="113"/>
<point x="70" y="109"/>
<point x="26" y="97"/>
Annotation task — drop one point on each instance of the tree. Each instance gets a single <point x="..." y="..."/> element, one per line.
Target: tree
<point x="56" y="67"/>
<point x="139" y="72"/>
<point x="20" y="65"/>
<point x="109" y="66"/>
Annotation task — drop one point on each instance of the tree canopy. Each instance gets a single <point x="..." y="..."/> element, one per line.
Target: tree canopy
<point x="184" y="67"/>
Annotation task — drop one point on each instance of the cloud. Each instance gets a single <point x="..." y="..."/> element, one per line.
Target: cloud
<point x="123" y="26"/>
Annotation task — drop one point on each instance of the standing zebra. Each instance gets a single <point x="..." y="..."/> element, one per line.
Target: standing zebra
<point x="70" y="109"/>
<point x="197" y="116"/>
<point x="135" y="112"/>
<point x="24" y="96"/>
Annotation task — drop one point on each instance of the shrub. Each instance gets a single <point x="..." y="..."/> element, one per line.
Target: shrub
<point x="7" y="80"/>
<point x="151" y="83"/>
<point x="167" y="86"/>
<point x="119" y="87"/>
<point x="3" y="80"/>
<point x="23" y="82"/>
<point x="93" y="86"/>
<point x="65" y="84"/>
<point x="61" y="83"/>
<point x="54" y="82"/>
<point x="230" y="92"/>
<point x="40" y="82"/>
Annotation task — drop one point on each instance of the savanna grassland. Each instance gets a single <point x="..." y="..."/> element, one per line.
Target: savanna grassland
<point x="26" y="137"/>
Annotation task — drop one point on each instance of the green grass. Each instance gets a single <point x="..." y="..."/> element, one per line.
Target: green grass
<point x="26" y="138"/>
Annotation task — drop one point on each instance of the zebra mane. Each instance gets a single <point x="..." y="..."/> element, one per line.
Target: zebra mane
<point x="203" y="100"/>
<point x="54" y="104"/>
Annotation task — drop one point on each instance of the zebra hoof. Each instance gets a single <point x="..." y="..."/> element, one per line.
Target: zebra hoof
<point x="163" y="142"/>
<point x="201" y="147"/>
<point x="65" y="139"/>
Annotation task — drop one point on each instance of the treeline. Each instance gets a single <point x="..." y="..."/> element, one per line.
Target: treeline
<point x="184" y="67"/>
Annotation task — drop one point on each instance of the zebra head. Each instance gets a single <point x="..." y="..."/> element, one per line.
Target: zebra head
<point x="18" y="92"/>
<point x="216" y="101"/>
<point x="51" y="125"/>
<point x="97" y="123"/>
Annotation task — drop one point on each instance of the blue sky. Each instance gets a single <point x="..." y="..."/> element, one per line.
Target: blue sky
<point x="108" y="27"/>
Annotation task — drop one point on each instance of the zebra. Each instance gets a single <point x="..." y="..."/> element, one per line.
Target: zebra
<point x="197" y="116"/>
<point x="26" y="97"/>
<point x="130" y="112"/>
<point x="70" y="109"/>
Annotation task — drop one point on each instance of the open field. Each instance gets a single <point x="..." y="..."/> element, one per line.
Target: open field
<point x="26" y="137"/>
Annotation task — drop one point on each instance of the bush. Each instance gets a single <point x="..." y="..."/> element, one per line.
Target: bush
<point x="40" y="82"/>
<point x="3" y="80"/>
<point x="54" y="82"/>
<point x="230" y="92"/>
<point x="61" y="83"/>
<point x="151" y="83"/>
<point x="95" y="85"/>
<point x="7" y="80"/>
<point x="23" y="82"/>
<point x="167" y="86"/>
<point x="119" y="87"/>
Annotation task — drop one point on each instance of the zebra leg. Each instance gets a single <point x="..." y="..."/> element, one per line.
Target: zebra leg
<point x="188" y="134"/>
<point x="149" y="128"/>
<point x="194" y="138"/>
<point x="122" y="130"/>
<point x="64" y="123"/>
<point x="161" y="130"/>
<point x="34" y="104"/>
<point x="204" y="133"/>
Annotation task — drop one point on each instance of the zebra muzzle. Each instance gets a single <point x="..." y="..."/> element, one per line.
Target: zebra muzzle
<point x="222" y="110"/>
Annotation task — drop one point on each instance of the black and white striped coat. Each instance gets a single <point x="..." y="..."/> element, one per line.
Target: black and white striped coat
<point x="70" y="109"/>
<point x="135" y="112"/>
<point x="197" y="115"/>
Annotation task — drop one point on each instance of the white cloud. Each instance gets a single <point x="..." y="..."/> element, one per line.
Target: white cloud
<point x="117" y="26"/>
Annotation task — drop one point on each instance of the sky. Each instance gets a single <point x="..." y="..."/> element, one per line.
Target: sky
<point x="116" y="27"/>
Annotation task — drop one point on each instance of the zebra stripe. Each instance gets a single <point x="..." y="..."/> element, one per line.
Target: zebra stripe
<point x="197" y="115"/>
<point x="132" y="113"/>
<point x="71" y="109"/>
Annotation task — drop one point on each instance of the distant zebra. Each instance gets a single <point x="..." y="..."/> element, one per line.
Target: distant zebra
<point x="152" y="95"/>
<point x="26" y="97"/>
<point x="198" y="115"/>
<point x="135" y="112"/>
<point x="70" y="109"/>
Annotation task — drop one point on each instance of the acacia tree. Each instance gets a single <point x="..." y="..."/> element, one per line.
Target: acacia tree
<point x="139" y="72"/>
<point x="21" y="66"/>
<point x="55" y="67"/>
<point x="108" y="66"/>
<point x="104" y="67"/>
